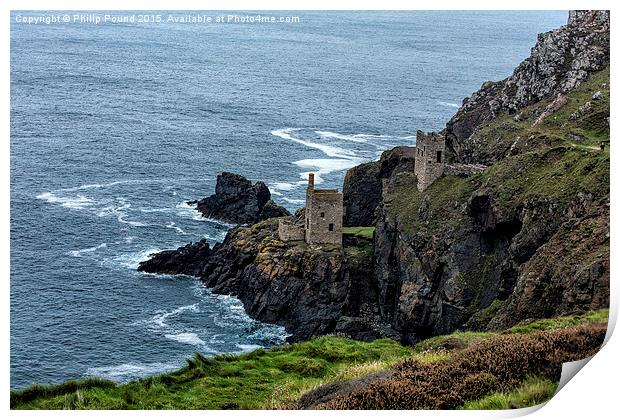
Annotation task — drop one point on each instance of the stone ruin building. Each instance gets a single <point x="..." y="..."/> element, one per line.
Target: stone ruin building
<point x="429" y="161"/>
<point x="429" y="158"/>
<point x="322" y="221"/>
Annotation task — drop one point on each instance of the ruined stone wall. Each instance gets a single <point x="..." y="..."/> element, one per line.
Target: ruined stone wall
<point x="429" y="158"/>
<point x="288" y="231"/>
<point x="324" y="211"/>
<point x="463" y="170"/>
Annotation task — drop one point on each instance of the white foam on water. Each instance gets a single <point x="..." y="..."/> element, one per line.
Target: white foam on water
<point x="326" y="166"/>
<point x="294" y="200"/>
<point x="130" y="182"/>
<point x="120" y="211"/>
<point x="133" y="259"/>
<point x="145" y="210"/>
<point x="283" y="186"/>
<point x="246" y="348"/>
<point x="172" y="225"/>
<point x="331" y="151"/>
<point x="186" y="338"/>
<point x="121" y="219"/>
<point x="128" y="371"/>
<point x="159" y="320"/>
<point x="217" y="222"/>
<point x="78" y="202"/>
<point x="340" y="159"/>
<point x="82" y="252"/>
<point x="361" y="138"/>
<point x="188" y="211"/>
<point x="106" y="211"/>
<point x="358" y="138"/>
<point x="219" y="237"/>
<point x="448" y="104"/>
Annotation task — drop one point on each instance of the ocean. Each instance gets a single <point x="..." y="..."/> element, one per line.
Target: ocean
<point x="115" y="126"/>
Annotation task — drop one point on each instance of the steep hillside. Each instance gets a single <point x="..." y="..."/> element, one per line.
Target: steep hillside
<point x="527" y="238"/>
<point x="560" y="61"/>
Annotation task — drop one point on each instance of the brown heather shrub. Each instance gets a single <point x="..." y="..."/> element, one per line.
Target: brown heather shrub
<point x="495" y="364"/>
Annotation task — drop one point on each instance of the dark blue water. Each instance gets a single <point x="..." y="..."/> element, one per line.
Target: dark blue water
<point x="114" y="127"/>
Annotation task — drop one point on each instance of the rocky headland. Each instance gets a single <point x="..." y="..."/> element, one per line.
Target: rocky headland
<point x="525" y="236"/>
<point x="237" y="201"/>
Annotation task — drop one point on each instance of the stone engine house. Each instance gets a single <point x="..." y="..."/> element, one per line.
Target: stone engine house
<point x="322" y="222"/>
<point x="429" y="158"/>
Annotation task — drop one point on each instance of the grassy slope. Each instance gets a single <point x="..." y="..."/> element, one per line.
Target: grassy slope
<point x="552" y="163"/>
<point x="266" y="379"/>
<point x="557" y="159"/>
<point x="532" y="392"/>
<point x="256" y="380"/>
<point x="363" y="231"/>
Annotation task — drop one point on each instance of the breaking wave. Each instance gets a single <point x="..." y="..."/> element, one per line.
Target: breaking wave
<point x="128" y="371"/>
<point x="82" y="252"/>
<point x="77" y="202"/>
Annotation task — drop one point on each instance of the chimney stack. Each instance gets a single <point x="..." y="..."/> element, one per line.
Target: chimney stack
<point x="311" y="181"/>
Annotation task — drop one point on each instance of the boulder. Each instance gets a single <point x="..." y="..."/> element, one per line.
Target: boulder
<point x="188" y="259"/>
<point x="237" y="201"/>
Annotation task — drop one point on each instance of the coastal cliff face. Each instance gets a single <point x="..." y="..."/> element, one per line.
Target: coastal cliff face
<point x="526" y="238"/>
<point x="363" y="184"/>
<point x="310" y="290"/>
<point x="559" y="62"/>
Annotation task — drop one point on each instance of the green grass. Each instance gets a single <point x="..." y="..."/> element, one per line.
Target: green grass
<point x="229" y="381"/>
<point x="364" y="231"/>
<point x="532" y="392"/>
<point x="270" y="379"/>
<point x="444" y="199"/>
<point x="551" y="164"/>
<point x="600" y="316"/>
<point x="465" y="338"/>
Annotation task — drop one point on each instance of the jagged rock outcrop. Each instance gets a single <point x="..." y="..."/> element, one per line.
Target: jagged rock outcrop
<point x="363" y="184"/>
<point x="361" y="193"/>
<point x="483" y="247"/>
<point x="311" y="290"/>
<point x="188" y="259"/>
<point x="489" y="251"/>
<point x="237" y="201"/>
<point x="431" y="283"/>
<point x="559" y="62"/>
<point x="567" y="282"/>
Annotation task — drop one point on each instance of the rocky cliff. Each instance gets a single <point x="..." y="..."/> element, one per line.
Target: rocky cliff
<point x="188" y="259"/>
<point x="526" y="238"/>
<point x="363" y="185"/>
<point x="237" y="201"/>
<point x="529" y="236"/>
<point x="559" y="62"/>
<point x="311" y="290"/>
